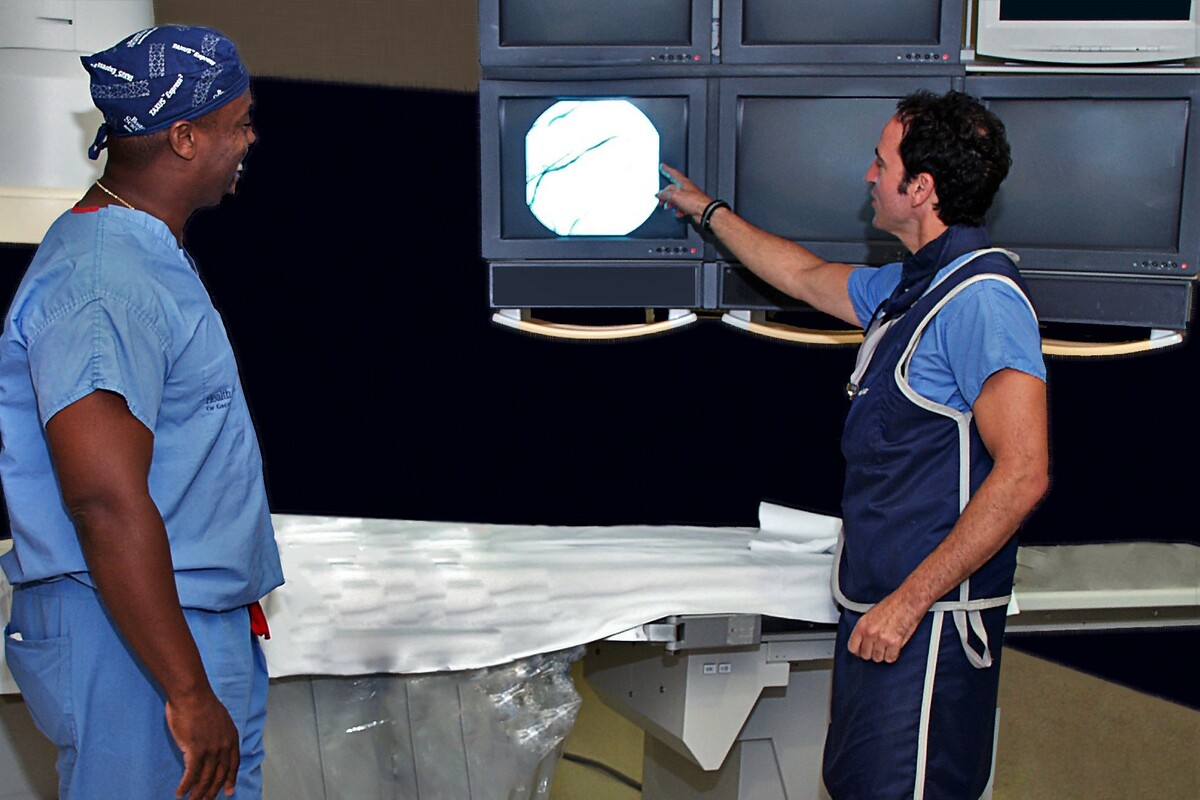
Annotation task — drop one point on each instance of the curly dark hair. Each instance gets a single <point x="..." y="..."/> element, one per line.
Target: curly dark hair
<point x="961" y="144"/>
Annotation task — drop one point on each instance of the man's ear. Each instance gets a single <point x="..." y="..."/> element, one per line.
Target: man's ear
<point x="922" y="189"/>
<point x="182" y="138"/>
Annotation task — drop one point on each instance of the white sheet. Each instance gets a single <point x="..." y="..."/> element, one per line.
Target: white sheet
<point x="368" y="596"/>
<point x="390" y="596"/>
<point x="794" y="530"/>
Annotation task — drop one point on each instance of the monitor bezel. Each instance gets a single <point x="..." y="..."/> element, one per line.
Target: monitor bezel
<point x="589" y="249"/>
<point x="493" y="54"/>
<point x="948" y="47"/>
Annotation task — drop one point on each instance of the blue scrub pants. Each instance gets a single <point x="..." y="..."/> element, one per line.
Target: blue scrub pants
<point x="92" y="698"/>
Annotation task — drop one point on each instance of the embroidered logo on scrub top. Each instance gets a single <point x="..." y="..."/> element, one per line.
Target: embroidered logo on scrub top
<point x="218" y="399"/>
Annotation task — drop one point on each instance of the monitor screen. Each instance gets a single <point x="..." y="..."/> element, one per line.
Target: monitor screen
<point x="570" y="170"/>
<point x="839" y="22"/>
<point x="801" y="149"/>
<point x="836" y="31"/>
<point x="1112" y="11"/>
<point x="586" y="22"/>
<point x="586" y="32"/>
<point x="1104" y="172"/>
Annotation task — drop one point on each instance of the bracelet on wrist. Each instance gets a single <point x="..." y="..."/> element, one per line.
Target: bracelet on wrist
<point x="709" y="210"/>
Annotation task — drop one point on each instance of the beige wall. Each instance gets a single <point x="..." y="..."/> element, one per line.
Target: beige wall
<point x="422" y="43"/>
<point x="419" y="43"/>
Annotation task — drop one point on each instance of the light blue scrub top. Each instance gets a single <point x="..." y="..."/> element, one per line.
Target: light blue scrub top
<point x="987" y="327"/>
<point x="112" y="302"/>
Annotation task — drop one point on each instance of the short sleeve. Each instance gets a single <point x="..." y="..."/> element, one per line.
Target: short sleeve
<point x="101" y="344"/>
<point x="870" y="286"/>
<point x="987" y="328"/>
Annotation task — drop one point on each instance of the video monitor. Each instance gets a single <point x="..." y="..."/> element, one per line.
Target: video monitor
<point x="1105" y="175"/>
<point x="797" y="156"/>
<point x="1074" y="32"/>
<point x="901" y="32"/>
<point x="569" y="170"/>
<point x="562" y="33"/>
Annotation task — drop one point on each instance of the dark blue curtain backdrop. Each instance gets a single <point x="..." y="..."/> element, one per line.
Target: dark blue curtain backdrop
<point x="348" y="273"/>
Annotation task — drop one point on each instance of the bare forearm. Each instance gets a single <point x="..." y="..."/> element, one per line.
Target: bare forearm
<point x="986" y="524"/>
<point x="102" y="457"/>
<point x="773" y="258"/>
<point x="129" y="558"/>
<point x="992" y="516"/>
<point x="787" y="266"/>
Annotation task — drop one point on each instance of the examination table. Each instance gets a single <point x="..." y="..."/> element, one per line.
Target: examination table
<point x="427" y="660"/>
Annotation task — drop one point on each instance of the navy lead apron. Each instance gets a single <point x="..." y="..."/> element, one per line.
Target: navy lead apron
<point x="924" y="726"/>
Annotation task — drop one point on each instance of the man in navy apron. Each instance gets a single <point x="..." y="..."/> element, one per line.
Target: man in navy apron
<point x="946" y="451"/>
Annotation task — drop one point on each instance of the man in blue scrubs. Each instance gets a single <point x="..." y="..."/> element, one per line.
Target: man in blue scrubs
<point x="142" y="539"/>
<point x="946" y="450"/>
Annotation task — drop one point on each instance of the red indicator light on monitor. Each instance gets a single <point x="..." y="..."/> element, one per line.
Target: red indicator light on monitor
<point x="694" y="253"/>
<point x="945" y="56"/>
<point x="695" y="58"/>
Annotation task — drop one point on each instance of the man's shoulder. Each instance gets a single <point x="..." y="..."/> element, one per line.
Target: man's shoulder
<point x="108" y="243"/>
<point x="988" y="285"/>
<point x="999" y="261"/>
<point x="985" y="277"/>
<point x="87" y="258"/>
<point x="991" y="322"/>
<point x="870" y="286"/>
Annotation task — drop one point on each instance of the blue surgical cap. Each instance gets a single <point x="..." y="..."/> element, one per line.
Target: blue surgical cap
<point x="161" y="75"/>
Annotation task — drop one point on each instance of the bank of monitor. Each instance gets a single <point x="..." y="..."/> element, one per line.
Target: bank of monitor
<point x="897" y="32"/>
<point x="1078" y="32"/>
<point x="590" y="33"/>
<point x="570" y="169"/>
<point x="795" y="155"/>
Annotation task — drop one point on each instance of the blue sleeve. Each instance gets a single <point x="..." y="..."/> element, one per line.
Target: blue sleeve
<point x="101" y="344"/>
<point x="987" y="328"/>
<point x="870" y="286"/>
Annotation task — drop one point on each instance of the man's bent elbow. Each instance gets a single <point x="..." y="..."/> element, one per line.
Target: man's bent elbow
<point x="1034" y="486"/>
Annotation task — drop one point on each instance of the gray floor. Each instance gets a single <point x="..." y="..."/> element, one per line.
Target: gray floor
<point x="1063" y="736"/>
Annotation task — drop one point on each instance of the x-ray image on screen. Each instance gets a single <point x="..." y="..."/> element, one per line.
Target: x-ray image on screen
<point x="585" y="169"/>
<point x="591" y="167"/>
<point x="570" y="169"/>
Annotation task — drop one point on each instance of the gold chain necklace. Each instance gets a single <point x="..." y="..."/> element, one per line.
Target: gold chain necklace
<point x="114" y="195"/>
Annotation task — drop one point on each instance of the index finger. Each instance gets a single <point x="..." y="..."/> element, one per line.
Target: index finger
<point x="674" y="175"/>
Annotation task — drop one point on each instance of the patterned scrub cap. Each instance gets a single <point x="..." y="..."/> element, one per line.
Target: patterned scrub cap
<point x="161" y="75"/>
